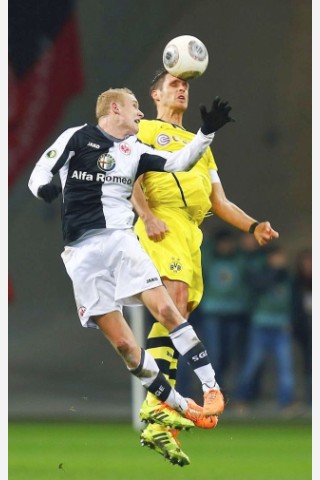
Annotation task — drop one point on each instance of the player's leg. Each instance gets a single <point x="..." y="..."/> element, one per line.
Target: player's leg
<point x="160" y="346"/>
<point x="184" y="283"/>
<point x="127" y="282"/>
<point x="172" y="258"/>
<point x="186" y="291"/>
<point x="143" y="366"/>
<point x="159" y="343"/>
<point x="181" y="263"/>
<point x="187" y="343"/>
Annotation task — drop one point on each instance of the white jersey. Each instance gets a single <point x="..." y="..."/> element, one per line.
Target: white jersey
<point x="97" y="174"/>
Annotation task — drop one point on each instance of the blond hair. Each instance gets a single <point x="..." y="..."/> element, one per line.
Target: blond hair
<point x="105" y="99"/>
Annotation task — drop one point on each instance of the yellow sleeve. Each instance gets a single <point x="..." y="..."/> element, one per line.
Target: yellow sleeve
<point x="146" y="132"/>
<point x="210" y="160"/>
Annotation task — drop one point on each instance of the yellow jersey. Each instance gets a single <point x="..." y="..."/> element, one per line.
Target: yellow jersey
<point x="190" y="190"/>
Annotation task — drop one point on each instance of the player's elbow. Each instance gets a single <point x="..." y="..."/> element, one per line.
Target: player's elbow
<point x="219" y="205"/>
<point x="33" y="187"/>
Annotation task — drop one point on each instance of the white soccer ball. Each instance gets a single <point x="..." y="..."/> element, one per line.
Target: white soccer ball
<point x="185" y="57"/>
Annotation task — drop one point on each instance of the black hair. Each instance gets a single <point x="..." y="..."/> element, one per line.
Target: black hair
<point x="159" y="74"/>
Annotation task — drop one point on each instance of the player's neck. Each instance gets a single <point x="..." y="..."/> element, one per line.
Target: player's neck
<point x="170" y="116"/>
<point x="114" y="129"/>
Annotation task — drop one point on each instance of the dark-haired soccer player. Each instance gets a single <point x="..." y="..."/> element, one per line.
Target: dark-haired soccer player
<point x="171" y="207"/>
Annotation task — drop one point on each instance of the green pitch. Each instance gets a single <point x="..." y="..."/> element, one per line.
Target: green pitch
<point x="233" y="451"/>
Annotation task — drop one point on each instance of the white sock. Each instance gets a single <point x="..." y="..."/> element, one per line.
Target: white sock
<point x="177" y="401"/>
<point x="190" y="346"/>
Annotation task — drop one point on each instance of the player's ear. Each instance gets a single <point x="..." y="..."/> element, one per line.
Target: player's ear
<point x="114" y="107"/>
<point x="155" y="94"/>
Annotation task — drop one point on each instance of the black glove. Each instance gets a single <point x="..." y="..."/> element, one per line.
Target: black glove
<point x="216" y="117"/>
<point x="49" y="192"/>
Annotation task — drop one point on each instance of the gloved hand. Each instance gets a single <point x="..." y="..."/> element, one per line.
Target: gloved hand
<point x="215" y="118"/>
<point x="49" y="192"/>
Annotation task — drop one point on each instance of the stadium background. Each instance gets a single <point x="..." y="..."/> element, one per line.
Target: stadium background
<point x="260" y="60"/>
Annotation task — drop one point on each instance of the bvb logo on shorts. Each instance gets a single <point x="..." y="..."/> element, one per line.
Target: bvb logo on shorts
<point x="175" y="265"/>
<point x="106" y="162"/>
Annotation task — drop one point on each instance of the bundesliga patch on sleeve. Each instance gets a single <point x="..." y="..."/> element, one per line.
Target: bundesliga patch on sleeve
<point x="51" y="153"/>
<point x="163" y="139"/>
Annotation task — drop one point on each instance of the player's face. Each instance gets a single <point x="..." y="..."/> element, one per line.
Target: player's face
<point x="130" y="114"/>
<point x="174" y="93"/>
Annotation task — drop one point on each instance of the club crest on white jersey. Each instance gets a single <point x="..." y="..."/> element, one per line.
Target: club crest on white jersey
<point x="124" y="148"/>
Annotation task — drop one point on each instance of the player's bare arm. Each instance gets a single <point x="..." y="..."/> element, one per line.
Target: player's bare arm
<point x="232" y="214"/>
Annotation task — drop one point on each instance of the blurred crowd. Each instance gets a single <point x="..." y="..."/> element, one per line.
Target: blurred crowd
<point x="256" y="319"/>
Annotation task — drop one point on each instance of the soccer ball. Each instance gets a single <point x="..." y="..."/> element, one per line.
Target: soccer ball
<point x="185" y="57"/>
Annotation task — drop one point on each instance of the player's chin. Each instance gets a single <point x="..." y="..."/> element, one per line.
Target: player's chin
<point x="182" y="105"/>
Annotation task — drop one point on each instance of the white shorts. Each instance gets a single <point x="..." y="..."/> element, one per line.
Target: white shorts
<point x="107" y="270"/>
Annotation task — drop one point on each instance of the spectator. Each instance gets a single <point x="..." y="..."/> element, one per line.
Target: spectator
<point x="302" y="313"/>
<point x="271" y="329"/>
<point x="225" y="303"/>
<point x="254" y="257"/>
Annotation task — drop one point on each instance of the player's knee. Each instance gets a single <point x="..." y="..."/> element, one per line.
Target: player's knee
<point x="168" y="315"/>
<point x="165" y="310"/>
<point x="124" y="347"/>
